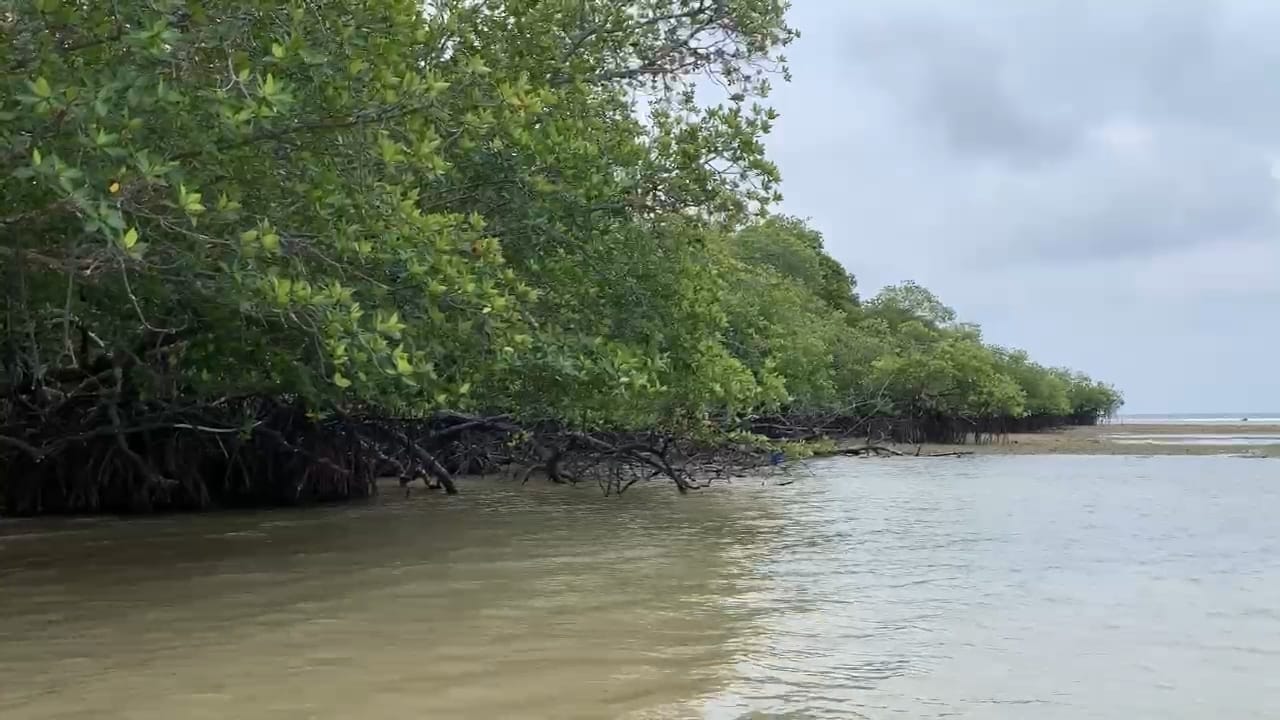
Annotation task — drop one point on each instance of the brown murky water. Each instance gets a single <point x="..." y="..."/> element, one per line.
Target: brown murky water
<point x="990" y="587"/>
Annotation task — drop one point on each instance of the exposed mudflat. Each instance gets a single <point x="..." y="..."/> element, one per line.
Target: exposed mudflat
<point x="1244" y="438"/>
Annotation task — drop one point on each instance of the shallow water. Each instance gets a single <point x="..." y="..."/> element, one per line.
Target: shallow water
<point x="987" y="587"/>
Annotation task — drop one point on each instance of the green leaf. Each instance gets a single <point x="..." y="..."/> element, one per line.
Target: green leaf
<point x="41" y="88"/>
<point x="36" y="158"/>
<point x="190" y="201"/>
<point x="129" y="239"/>
<point x="403" y="366"/>
<point x="277" y="50"/>
<point x="341" y="381"/>
<point x="112" y="217"/>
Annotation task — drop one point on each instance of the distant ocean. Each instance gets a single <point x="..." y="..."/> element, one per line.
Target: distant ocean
<point x="1270" y="418"/>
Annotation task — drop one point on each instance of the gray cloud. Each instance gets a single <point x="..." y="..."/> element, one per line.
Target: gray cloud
<point x="1139" y="190"/>
<point x="957" y="86"/>
<point x="1092" y="180"/>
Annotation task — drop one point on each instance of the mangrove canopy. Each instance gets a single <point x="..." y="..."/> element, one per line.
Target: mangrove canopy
<point x="255" y="251"/>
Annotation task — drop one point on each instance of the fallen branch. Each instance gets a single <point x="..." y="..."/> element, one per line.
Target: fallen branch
<point x="433" y="466"/>
<point x="866" y="450"/>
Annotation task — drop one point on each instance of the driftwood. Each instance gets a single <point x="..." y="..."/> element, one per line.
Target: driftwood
<point x="869" y="450"/>
<point x="880" y="450"/>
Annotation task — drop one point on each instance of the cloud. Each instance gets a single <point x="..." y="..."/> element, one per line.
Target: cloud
<point x="1241" y="271"/>
<point x="1109" y="166"/>
<point x="1138" y="192"/>
<point x="958" y="87"/>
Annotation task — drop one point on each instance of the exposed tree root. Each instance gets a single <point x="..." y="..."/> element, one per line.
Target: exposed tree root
<point x="108" y="452"/>
<point x="115" y="455"/>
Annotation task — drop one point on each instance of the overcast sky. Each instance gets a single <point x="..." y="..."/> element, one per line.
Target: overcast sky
<point x="1094" y="181"/>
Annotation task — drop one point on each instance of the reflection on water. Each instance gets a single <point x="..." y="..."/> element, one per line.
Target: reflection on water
<point x="499" y="603"/>
<point x="1196" y="439"/>
<point x="994" y="587"/>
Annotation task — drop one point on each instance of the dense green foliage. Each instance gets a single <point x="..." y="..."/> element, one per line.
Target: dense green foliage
<point x="512" y="206"/>
<point x="796" y="321"/>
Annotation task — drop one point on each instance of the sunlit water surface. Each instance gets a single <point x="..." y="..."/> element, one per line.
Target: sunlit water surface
<point x="986" y="587"/>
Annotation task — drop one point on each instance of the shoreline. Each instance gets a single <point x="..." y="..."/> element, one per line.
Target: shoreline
<point x="1099" y="440"/>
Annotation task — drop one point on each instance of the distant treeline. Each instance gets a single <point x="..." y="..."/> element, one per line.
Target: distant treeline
<point x="227" y="227"/>
<point x="899" y="365"/>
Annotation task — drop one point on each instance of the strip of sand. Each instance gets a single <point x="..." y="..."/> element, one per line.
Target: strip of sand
<point x="1248" y="439"/>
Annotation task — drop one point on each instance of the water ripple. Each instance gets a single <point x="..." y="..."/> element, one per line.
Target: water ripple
<point x="1010" y="587"/>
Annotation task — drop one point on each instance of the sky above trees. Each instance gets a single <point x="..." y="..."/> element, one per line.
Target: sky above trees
<point x="1093" y="181"/>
